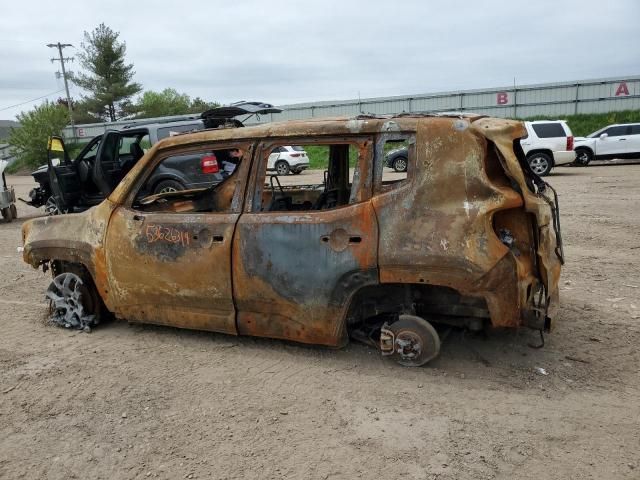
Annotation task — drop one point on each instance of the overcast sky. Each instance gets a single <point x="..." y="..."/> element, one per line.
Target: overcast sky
<point x="293" y="51"/>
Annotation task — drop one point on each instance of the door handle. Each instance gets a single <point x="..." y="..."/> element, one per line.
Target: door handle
<point x="355" y="239"/>
<point x="218" y="238"/>
<point x="621" y="139"/>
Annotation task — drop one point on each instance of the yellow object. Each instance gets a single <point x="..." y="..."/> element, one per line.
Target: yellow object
<point x="55" y="145"/>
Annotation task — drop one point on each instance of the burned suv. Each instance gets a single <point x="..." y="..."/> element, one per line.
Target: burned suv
<point x="468" y="236"/>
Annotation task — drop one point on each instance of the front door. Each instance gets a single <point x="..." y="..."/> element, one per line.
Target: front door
<point x="63" y="175"/>
<point x="306" y="243"/>
<point x="169" y="260"/>
<point x="615" y="142"/>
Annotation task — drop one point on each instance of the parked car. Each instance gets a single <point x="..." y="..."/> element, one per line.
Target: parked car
<point x="613" y="141"/>
<point x="287" y="159"/>
<point x="88" y="179"/>
<point x="548" y="144"/>
<point x="467" y="239"/>
<point x="398" y="159"/>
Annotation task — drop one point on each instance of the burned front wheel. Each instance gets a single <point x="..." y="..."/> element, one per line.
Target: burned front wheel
<point x="411" y="341"/>
<point x="73" y="303"/>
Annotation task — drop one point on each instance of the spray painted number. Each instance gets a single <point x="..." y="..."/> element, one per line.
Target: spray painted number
<point x="158" y="233"/>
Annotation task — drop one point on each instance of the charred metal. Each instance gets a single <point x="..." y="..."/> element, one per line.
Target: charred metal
<point x="469" y="237"/>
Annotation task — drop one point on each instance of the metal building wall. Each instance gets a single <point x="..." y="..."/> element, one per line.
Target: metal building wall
<point x="522" y="101"/>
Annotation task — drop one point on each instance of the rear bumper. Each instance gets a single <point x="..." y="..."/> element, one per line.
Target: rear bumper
<point x="564" y="158"/>
<point x="298" y="167"/>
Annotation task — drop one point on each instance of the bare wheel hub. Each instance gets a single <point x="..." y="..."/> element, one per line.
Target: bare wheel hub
<point x="408" y="345"/>
<point x="70" y="302"/>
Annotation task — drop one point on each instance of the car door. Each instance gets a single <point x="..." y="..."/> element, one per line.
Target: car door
<point x="615" y="142"/>
<point x="108" y="167"/>
<point x="297" y="265"/>
<point x="172" y="265"/>
<point x="66" y="186"/>
<point x="634" y="140"/>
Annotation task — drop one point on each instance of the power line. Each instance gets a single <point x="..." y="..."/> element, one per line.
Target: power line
<point x="29" y="101"/>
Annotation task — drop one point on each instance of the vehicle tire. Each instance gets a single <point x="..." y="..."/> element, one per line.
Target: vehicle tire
<point x="74" y="301"/>
<point x="14" y="211"/>
<point x="6" y="215"/>
<point x="51" y="206"/>
<point x="167" y="186"/>
<point x="415" y="341"/>
<point x="282" y="167"/>
<point x="400" y="164"/>
<point x="583" y="157"/>
<point x="540" y="163"/>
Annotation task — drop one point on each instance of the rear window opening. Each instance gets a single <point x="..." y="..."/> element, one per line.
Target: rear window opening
<point x="308" y="177"/>
<point x="548" y="130"/>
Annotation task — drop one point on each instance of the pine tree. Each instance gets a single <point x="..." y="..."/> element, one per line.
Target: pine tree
<point x="108" y="79"/>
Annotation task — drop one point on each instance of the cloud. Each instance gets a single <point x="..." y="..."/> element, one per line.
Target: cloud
<point x="286" y="52"/>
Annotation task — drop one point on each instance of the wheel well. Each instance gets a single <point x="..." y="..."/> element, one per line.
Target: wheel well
<point x="589" y="149"/>
<point x="541" y="150"/>
<point x="164" y="179"/>
<point x="438" y="304"/>
<point x="61" y="266"/>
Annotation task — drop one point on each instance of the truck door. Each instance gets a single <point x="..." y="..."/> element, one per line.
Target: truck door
<point x="169" y="256"/>
<point x="63" y="176"/>
<point x="306" y="243"/>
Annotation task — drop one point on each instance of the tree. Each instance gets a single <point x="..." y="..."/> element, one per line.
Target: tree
<point x="29" y="141"/>
<point x="109" y="78"/>
<point x="169" y="102"/>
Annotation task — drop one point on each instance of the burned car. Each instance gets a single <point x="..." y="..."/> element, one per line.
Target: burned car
<point x="67" y="185"/>
<point x="468" y="237"/>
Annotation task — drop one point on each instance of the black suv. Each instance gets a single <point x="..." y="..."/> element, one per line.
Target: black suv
<point x="73" y="185"/>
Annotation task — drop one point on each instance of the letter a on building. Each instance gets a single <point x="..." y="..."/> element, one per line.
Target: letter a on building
<point x="622" y="89"/>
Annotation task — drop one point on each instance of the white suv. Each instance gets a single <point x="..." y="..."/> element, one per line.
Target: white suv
<point x="613" y="141"/>
<point x="548" y="143"/>
<point x="288" y="159"/>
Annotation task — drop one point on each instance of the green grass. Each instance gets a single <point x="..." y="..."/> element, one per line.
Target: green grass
<point x="319" y="154"/>
<point x="584" y="124"/>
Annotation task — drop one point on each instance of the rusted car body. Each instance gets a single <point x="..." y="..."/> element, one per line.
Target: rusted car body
<point x="469" y="238"/>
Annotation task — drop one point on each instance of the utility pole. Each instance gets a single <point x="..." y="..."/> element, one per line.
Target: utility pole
<point x="62" y="59"/>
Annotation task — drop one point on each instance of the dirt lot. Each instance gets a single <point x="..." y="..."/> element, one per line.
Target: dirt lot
<point x="150" y="402"/>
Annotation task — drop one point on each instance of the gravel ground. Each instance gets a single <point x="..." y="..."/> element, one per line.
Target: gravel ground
<point x="151" y="402"/>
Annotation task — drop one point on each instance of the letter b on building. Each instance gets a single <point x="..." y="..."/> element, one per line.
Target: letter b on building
<point x="502" y="98"/>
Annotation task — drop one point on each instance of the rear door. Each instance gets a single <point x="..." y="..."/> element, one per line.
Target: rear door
<point x="305" y="244"/>
<point x="634" y="140"/>
<point x="63" y="175"/>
